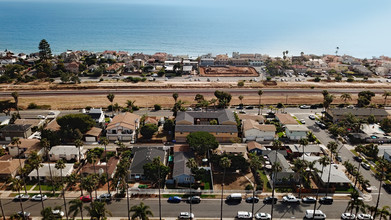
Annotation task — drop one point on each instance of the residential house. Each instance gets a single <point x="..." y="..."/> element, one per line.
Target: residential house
<point x="4" y="120"/>
<point x="337" y="114"/>
<point x="26" y="146"/>
<point x="207" y="62"/>
<point x="98" y="115"/>
<point x="235" y="149"/>
<point x="286" y="119"/>
<point x="221" y="60"/>
<point x="297" y="150"/>
<point x="253" y="131"/>
<point x="123" y="127"/>
<point x="9" y="167"/>
<point x="286" y="175"/>
<point x="53" y="126"/>
<point x="255" y="147"/>
<point x="114" y="68"/>
<point x="296" y="132"/>
<point x="100" y="167"/>
<point x="258" y="118"/>
<point x="142" y="156"/>
<point x="14" y="130"/>
<point x="44" y="172"/>
<point x="239" y="62"/>
<point x="138" y="63"/>
<point x="225" y="130"/>
<point x="187" y="69"/>
<point x="66" y="152"/>
<point x="72" y="67"/>
<point x="387" y="155"/>
<point x="181" y="173"/>
<point x="92" y="135"/>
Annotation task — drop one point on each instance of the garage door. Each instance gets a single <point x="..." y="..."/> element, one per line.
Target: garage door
<point x="90" y="139"/>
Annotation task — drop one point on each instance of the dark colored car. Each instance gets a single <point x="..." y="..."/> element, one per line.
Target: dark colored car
<point x="174" y="199"/>
<point x="326" y="200"/>
<point x="357" y="158"/>
<point x="339" y="158"/>
<point x="387" y="188"/>
<point x="308" y="199"/>
<point x="252" y="199"/>
<point x="194" y="199"/>
<point x="269" y="200"/>
<point x="250" y="107"/>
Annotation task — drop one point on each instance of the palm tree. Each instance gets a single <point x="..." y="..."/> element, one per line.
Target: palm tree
<point x="324" y="161"/>
<point x="300" y="167"/>
<point x="141" y="211"/>
<point x="345" y="97"/>
<point x="385" y="95"/>
<point x="213" y="101"/>
<point x="35" y="162"/>
<point x="332" y="146"/>
<point x="303" y="142"/>
<point x="224" y="163"/>
<point x="255" y="165"/>
<point x="45" y="144"/>
<point x="75" y="206"/>
<point x="111" y="97"/>
<point x="385" y="211"/>
<point x="16" y="141"/>
<point x="275" y="169"/>
<point x="191" y="164"/>
<point x="260" y="92"/>
<point x="79" y="144"/>
<point x="92" y="158"/>
<point x="60" y="165"/>
<point x="89" y="184"/>
<point x="104" y="141"/>
<point x="241" y="99"/>
<point x="16" y="184"/>
<point x="175" y="96"/>
<point x="97" y="210"/>
<point x="15" y="95"/>
<point x="47" y="214"/>
<point x="381" y="166"/>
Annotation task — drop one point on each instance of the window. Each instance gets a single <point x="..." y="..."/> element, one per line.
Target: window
<point x="113" y="131"/>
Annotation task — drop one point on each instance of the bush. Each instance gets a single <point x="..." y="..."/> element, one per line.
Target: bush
<point x="249" y="187"/>
<point x="32" y="106"/>
<point x="350" y="79"/>
<point x="240" y="84"/>
<point x="317" y="79"/>
<point x="148" y="130"/>
<point x="157" y="107"/>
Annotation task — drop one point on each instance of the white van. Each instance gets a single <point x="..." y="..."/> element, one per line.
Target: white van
<point x="309" y="214"/>
<point x="244" y="215"/>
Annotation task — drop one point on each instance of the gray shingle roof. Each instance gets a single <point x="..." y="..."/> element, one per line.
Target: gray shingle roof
<point x="359" y="111"/>
<point x="280" y="159"/>
<point x="16" y="127"/>
<point x="180" y="160"/>
<point x="207" y="128"/>
<point x="222" y="115"/>
<point x="144" y="155"/>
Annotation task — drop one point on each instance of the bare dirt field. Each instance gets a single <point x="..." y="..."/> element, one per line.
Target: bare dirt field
<point x="233" y="181"/>
<point x="228" y="71"/>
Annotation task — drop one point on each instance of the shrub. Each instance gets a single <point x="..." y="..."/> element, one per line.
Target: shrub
<point x="157" y="107"/>
<point x="249" y="187"/>
<point x="240" y="84"/>
<point x="317" y="79"/>
<point x="350" y="79"/>
<point x="32" y="106"/>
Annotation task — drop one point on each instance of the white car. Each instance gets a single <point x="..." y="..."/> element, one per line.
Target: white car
<point x="347" y="215"/>
<point x="262" y="215"/>
<point x="364" y="217"/>
<point x="58" y="213"/>
<point x="22" y="197"/>
<point x="290" y="199"/>
<point x="244" y="215"/>
<point x="39" y="197"/>
<point x="312" y="117"/>
<point x="186" y="215"/>
<point x="41" y="117"/>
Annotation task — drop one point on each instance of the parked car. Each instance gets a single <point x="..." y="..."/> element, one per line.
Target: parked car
<point x="308" y="199"/>
<point x="387" y="187"/>
<point x="194" y="199"/>
<point x="312" y="117"/>
<point x="234" y="198"/>
<point x="22" y="197"/>
<point x="41" y="117"/>
<point x="326" y="200"/>
<point x="347" y="215"/>
<point x="250" y="107"/>
<point x="305" y="106"/>
<point x="338" y="158"/>
<point x="104" y="197"/>
<point x="86" y="198"/>
<point x="39" y="197"/>
<point x="263" y="216"/>
<point x="58" y="213"/>
<point x="290" y="199"/>
<point x="357" y="158"/>
<point x="174" y="199"/>
<point x="367" y="188"/>
<point x="244" y="215"/>
<point x="366" y="166"/>
<point x="252" y="199"/>
<point x="364" y="217"/>
<point x="302" y="121"/>
<point x="269" y="200"/>
<point x="322" y="126"/>
<point x="242" y="112"/>
<point x="186" y="215"/>
<point x="309" y="214"/>
<point x="23" y="214"/>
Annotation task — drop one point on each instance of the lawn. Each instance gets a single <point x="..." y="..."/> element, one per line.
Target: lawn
<point x="351" y="189"/>
<point x="263" y="177"/>
<point x="45" y="188"/>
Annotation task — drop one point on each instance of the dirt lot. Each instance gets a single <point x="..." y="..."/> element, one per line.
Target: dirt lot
<point x="228" y="71"/>
<point x="233" y="181"/>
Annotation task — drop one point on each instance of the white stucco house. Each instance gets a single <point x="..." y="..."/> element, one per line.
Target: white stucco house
<point x="65" y="152"/>
<point x="123" y="127"/>
<point x="44" y="172"/>
<point x="253" y="131"/>
<point x="296" y="132"/>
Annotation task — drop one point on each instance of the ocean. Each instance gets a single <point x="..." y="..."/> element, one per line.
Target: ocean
<point x="192" y="29"/>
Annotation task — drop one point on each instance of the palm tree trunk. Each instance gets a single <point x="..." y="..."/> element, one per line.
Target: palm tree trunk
<point x="22" y="173"/>
<point x="51" y="177"/>
<point x="355" y="184"/>
<point x="274" y="185"/>
<point x="63" y="195"/>
<point x="127" y="198"/>
<point x="79" y="154"/>
<point x="160" y="198"/>
<point x="107" y="173"/>
<point x="317" y="195"/>
<point x="81" y="211"/>
<point x="96" y="195"/>
<point x="259" y="105"/>
<point x="222" y="195"/>
<point x="20" y="202"/>
<point x="40" y="189"/>
<point x="378" y="195"/>
<point x="253" y="203"/>
<point x="328" y="178"/>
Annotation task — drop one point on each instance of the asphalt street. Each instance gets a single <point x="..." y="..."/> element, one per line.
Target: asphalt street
<point x="208" y="208"/>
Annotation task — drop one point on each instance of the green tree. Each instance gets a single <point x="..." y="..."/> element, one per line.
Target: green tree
<point x="104" y="141"/>
<point x="213" y="101"/>
<point x="385" y="95"/>
<point x="364" y="98"/>
<point x="35" y="161"/>
<point x="169" y="125"/>
<point x="47" y="214"/>
<point x="16" y="142"/>
<point x="148" y="130"/>
<point x="45" y="52"/>
<point x="346" y="97"/>
<point x="224" y="98"/>
<point x="15" y="95"/>
<point x="332" y="146"/>
<point x="260" y="93"/>
<point x="152" y="170"/>
<point x="241" y="99"/>
<point x="175" y="96"/>
<point x="71" y="122"/>
<point x="224" y="163"/>
<point x="97" y="210"/>
<point x="199" y="98"/>
<point x="17" y="185"/>
<point x="111" y="97"/>
<point x="157" y="107"/>
<point x="202" y="142"/>
<point x="385" y="125"/>
<point x="76" y="206"/>
<point x="45" y="144"/>
<point x="192" y="164"/>
<point x="141" y="211"/>
<point x="178" y="106"/>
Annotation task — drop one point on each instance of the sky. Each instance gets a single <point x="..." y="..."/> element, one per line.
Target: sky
<point x="358" y="27"/>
